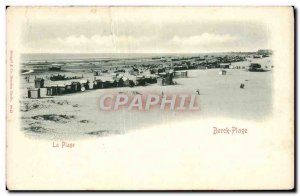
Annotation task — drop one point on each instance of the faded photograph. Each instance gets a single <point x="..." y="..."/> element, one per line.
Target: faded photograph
<point x="68" y="64"/>
<point x="150" y="98"/>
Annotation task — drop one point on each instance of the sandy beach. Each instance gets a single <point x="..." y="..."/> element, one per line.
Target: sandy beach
<point x="78" y="115"/>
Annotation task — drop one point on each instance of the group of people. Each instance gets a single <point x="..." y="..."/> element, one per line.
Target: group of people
<point x="27" y="79"/>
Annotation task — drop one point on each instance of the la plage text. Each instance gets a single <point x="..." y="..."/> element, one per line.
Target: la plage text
<point x="63" y="145"/>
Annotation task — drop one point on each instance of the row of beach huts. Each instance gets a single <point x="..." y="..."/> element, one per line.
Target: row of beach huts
<point x="117" y="80"/>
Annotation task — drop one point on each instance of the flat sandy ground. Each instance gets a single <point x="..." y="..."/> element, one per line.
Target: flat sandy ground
<point x="77" y="115"/>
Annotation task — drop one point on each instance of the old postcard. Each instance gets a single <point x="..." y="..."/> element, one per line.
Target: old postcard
<point x="150" y="98"/>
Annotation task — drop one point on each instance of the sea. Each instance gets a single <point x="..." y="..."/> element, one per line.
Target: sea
<point x="106" y="56"/>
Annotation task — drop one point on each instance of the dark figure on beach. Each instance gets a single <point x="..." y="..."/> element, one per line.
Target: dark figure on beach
<point x="198" y="91"/>
<point x="242" y="85"/>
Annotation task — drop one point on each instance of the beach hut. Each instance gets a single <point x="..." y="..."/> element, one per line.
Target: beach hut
<point x="132" y="81"/>
<point x="104" y="82"/>
<point x="97" y="84"/>
<point x="177" y="74"/>
<point x="165" y="79"/>
<point x="34" y="93"/>
<point x="124" y="81"/>
<point x="180" y="74"/>
<point x="151" y="79"/>
<point x="75" y="86"/>
<point x="161" y="81"/>
<point x="140" y="81"/>
<point x="222" y="72"/>
<point x="184" y="74"/>
<point x="43" y="92"/>
<point x="68" y="88"/>
<point x="52" y="90"/>
<point x="121" y="83"/>
<point x="107" y="84"/>
<point x="61" y="89"/>
<point x="115" y="83"/>
<point x="39" y="83"/>
<point x="169" y="79"/>
<point x="255" y="67"/>
<point x="84" y="85"/>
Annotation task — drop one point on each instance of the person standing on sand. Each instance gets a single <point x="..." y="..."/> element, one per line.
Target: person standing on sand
<point x="198" y="91"/>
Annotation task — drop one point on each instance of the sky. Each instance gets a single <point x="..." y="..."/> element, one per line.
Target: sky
<point x="150" y="32"/>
